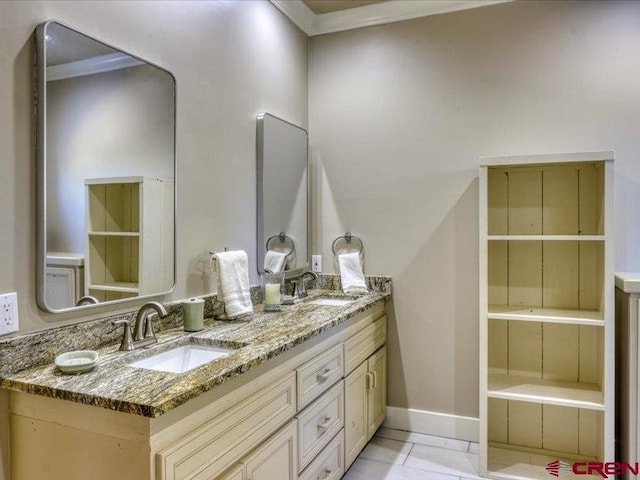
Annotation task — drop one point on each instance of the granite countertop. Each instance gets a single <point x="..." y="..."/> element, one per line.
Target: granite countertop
<point x="116" y="386"/>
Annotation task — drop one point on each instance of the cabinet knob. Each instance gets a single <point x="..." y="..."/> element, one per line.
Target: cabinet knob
<point x="322" y="377"/>
<point x="327" y="474"/>
<point x="323" y="426"/>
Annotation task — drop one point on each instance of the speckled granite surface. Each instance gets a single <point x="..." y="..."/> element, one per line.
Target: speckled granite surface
<point x="114" y="385"/>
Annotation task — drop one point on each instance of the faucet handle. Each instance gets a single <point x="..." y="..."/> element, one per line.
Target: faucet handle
<point x="127" y="338"/>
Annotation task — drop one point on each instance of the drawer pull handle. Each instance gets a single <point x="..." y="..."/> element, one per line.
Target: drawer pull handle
<point x="323" y="426"/>
<point x="324" y="376"/>
<point x="375" y="379"/>
<point x="369" y="378"/>
<point x="327" y="474"/>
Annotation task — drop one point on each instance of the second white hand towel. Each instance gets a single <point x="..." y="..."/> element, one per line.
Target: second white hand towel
<point x="274" y="261"/>
<point x="351" y="274"/>
<point x="233" y="272"/>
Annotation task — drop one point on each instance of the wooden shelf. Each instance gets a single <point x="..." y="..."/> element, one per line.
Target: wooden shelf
<point x="545" y="238"/>
<point x="513" y="464"/>
<point x="124" y="287"/>
<point x="129" y="241"/>
<point x="550" y="392"/>
<point x="546" y="313"/>
<point x="113" y="234"/>
<point x="526" y="313"/>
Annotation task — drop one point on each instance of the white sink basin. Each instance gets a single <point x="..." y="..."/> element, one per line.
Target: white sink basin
<point x="332" y="302"/>
<point x="182" y="359"/>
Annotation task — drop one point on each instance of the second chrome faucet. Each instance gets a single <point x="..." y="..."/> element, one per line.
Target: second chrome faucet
<point x="299" y="285"/>
<point x="143" y="333"/>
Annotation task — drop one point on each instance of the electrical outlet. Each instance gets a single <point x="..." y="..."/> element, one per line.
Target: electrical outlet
<point x="316" y="263"/>
<point x="8" y="313"/>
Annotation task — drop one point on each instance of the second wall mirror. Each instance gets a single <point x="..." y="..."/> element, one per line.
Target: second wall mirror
<point x="283" y="196"/>
<point x="106" y="173"/>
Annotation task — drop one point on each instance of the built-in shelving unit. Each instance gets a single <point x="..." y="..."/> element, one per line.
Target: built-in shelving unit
<point x="546" y="312"/>
<point x="128" y="252"/>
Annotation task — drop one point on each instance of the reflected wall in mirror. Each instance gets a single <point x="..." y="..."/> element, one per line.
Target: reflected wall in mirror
<point x="106" y="173"/>
<point x="283" y="196"/>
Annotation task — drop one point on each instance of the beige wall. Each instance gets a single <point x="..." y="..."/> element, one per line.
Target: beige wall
<point x="399" y="115"/>
<point x="231" y="60"/>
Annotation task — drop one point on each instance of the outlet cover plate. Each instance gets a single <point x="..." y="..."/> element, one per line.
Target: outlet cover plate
<point x="316" y="263"/>
<point x="8" y="313"/>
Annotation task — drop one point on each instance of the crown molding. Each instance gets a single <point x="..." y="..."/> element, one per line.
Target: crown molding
<point x="90" y="66"/>
<point x="375" y="14"/>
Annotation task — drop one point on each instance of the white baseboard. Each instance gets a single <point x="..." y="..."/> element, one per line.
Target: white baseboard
<point x="433" y="423"/>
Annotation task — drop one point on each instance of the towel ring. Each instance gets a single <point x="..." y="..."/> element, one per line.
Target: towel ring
<point x="283" y="238"/>
<point x="213" y="260"/>
<point x="348" y="238"/>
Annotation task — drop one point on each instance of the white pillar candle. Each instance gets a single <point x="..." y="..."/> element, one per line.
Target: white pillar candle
<point x="272" y="294"/>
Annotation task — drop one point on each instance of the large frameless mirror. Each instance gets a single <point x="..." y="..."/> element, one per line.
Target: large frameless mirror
<point x="106" y="173"/>
<point x="283" y="196"/>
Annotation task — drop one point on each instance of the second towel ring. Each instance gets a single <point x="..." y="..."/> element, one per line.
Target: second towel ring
<point x="283" y="238"/>
<point x="348" y="238"/>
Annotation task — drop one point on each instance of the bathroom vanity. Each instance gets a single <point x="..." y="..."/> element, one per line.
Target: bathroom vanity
<point x="299" y="397"/>
<point x="295" y="394"/>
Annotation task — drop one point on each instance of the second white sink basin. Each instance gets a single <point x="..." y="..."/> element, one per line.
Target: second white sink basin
<point x="182" y="359"/>
<point x="332" y="302"/>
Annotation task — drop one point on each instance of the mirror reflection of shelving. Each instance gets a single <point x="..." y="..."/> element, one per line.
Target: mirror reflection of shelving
<point x="127" y="253"/>
<point x="546" y="313"/>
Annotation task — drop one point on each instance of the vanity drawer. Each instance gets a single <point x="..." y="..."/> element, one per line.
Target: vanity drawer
<point x="236" y="473"/>
<point x="360" y="346"/>
<point x="319" y="422"/>
<point x="210" y="449"/>
<point x="329" y="464"/>
<point x="318" y="375"/>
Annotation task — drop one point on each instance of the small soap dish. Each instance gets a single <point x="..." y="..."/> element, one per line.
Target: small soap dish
<point x="79" y="361"/>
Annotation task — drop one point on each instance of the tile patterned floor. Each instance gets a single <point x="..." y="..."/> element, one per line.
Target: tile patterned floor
<point x="398" y="455"/>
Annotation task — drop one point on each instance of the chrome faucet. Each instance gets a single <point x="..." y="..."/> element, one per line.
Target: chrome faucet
<point x="300" y="287"/>
<point x="143" y="328"/>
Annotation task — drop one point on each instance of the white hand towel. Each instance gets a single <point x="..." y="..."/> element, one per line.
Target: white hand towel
<point x="351" y="274"/>
<point x="233" y="273"/>
<point x="274" y="261"/>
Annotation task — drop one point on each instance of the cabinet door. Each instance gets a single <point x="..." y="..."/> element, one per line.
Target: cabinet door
<point x="377" y="393"/>
<point x="236" y="473"/>
<point x="277" y="458"/>
<point x="355" y="413"/>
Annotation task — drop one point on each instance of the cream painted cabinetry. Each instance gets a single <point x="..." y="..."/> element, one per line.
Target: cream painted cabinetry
<point x="627" y="363"/>
<point x="329" y="464"/>
<point x="546" y="312"/>
<point x="214" y="444"/>
<point x="365" y="387"/>
<point x="355" y="426"/>
<point x="277" y="458"/>
<point x="129" y="243"/>
<point x="377" y="392"/>
<point x="365" y="403"/>
<point x="256" y="426"/>
<point x="236" y="473"/>
<point x="318" y="423"/>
